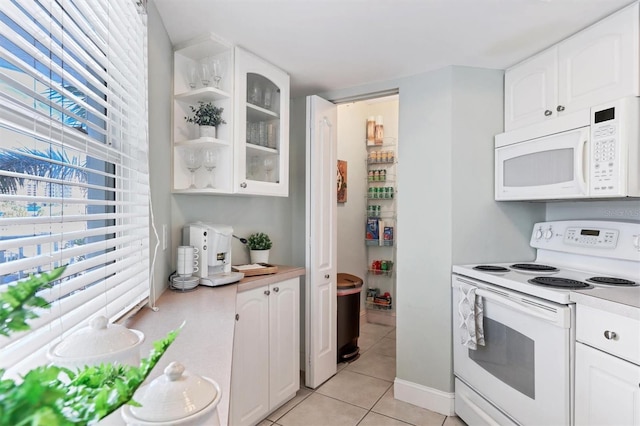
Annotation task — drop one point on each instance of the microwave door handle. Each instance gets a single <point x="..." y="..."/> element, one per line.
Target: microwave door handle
<point x="582" y="169"/>
<point x="516" y="305"/>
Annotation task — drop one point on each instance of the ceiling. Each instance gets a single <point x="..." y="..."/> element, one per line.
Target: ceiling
<point x="333" y="44"/>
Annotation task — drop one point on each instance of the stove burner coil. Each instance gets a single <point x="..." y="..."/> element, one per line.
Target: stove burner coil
<point x="490" y="268"/>
<point x="558" y="282"/>
<point x="534" y="267"/>
<point x="613" y="281"/>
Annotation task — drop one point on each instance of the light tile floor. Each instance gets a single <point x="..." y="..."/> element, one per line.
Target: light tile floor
<point x="361" y="393"/>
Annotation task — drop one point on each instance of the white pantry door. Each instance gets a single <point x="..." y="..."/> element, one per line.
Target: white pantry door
<point x="321" y="237"/>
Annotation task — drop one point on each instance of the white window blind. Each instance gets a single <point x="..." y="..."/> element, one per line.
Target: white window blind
<point x="74" y="181"/>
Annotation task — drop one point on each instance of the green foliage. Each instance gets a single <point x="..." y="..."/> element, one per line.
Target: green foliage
<point x="18" y="301"/>
<point x="206" y="114"/>
<point x="259" y="241"/>
<point x="55" y="396"/>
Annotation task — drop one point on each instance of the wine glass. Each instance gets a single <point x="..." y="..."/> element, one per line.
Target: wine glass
<point x="192" y="74"/>
<point x="210" y="161"/>
<point x="204" y="69"/>
<point x="269" y="164"/>
<point x="217" y="72"/>
<point x="193" y="160"/>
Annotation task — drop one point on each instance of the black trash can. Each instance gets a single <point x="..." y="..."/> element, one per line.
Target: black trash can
<point x="349" y="288"/>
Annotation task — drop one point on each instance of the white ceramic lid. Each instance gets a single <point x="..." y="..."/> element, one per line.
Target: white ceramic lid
<point x="173" y="396"/>
<point x="99" y="338"/>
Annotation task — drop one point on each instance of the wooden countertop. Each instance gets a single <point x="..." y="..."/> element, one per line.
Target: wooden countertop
<point x="205" y="344"/>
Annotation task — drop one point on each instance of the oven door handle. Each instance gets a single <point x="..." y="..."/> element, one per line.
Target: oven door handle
<point x="525" y="308"/>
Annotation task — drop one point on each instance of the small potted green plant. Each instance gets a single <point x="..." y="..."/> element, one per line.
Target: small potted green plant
<point x="259" y="245"/>
<point x="208" y="117"/>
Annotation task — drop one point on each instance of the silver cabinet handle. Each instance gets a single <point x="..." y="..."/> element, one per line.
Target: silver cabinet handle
<point x="327" y="276"/>
<point x="548" y="112"/>
<point x="243" y="185"/>
<point x="237" y="317"/>
<point x="276" y="289"/>
<point x="610" y="335"/>
<point x="267" y="292"/>
<point x="560" y="108"/>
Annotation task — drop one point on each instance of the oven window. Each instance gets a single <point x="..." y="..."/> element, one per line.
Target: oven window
<point x="508" y="355"/>
<point x="540" y="168"/>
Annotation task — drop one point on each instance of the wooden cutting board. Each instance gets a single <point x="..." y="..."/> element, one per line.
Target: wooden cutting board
<point x="249" y="271"/>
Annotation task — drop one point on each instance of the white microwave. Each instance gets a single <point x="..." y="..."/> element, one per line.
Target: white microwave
<point x="593" y="153"/>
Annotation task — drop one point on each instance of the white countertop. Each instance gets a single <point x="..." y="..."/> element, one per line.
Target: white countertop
<point x="623" y="301"/>
<point x="205" y="344"/>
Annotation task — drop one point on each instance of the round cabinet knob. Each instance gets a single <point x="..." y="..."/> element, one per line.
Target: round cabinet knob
<point x="548" y="112"/>
<point x="267" y="292"/>
<point x="538" y="234"/>
<point x="276" y="289"/>
<point x="610" y="335"/>
<point x="327" y="276"/>
<point x="560" y="108"/>
<point x="548" y="234"/>
<point x="243" y="185"/>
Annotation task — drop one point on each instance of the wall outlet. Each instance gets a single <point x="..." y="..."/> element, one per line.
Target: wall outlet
<point x="165" y="236"/>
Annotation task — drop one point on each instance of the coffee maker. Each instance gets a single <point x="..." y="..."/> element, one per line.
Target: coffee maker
<point x="214" y="245"/>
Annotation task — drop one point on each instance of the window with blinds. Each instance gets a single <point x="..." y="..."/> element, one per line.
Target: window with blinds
<point x="74" y="181"/>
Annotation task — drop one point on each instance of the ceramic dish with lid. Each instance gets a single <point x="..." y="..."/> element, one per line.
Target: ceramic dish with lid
<point x="175" y="398"/>
<point x="98" y="343"/>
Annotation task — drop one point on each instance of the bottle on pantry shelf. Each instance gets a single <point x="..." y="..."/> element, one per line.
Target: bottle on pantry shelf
<point x="379" y="132"/>
<point x="370" y="175"/>
<point x="371" y="130"/>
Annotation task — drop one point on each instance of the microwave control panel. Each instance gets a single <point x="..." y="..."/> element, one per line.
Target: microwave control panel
<point x="605" y="152"/>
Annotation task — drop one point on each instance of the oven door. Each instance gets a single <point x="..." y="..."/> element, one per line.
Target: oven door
<point x="547" y="168"/>
<point x="524" y="368"/>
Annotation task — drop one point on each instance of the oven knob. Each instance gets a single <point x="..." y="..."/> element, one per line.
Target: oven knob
<point x="548" y="234"/>
<point x="538" y="234"/>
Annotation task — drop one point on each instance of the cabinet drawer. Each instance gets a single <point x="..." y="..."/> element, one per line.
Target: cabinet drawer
<point x="593" y="326"/>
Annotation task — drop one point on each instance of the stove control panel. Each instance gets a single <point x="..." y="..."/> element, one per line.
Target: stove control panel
<point x="598" y="238"/>
<point x="602" y="238"/>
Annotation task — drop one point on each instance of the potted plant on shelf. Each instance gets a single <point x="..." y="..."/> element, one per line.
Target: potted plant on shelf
<point x="259" y="245"/>
<point x="208" y="117"/>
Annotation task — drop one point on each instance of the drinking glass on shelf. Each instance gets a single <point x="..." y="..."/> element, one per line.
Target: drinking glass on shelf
<point x="192" y="74"/>
<point x="192" y="158"/>
<point x="210" y="161"/>
<point x="204" y="68"/>
<point x="269" y="164"/>
<point x="217" y="72"/>
<point x="254" y="165"/>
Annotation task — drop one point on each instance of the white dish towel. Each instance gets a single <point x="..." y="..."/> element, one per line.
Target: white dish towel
<point x="470" y="311"/>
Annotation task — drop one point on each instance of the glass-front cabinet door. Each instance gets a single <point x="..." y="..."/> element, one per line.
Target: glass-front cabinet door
<point x="262" y="127"/>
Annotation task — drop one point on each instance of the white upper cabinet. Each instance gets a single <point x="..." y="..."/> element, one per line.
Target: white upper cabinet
<point x="262" y="127"/>
<point x="597" y="65"/>
<point x="531" y="90"/>
<point x="202" y="164"/>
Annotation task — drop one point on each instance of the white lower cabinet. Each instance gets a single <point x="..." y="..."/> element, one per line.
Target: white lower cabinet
<point x="266" y="364"/>
<point x="607" y="384"/>
<point x="607" y="389"/>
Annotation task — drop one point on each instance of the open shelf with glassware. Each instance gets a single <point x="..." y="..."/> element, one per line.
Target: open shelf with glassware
<point x="203" y="73"/>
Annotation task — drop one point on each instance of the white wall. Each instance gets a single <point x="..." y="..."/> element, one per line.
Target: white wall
<point x="600" y="210"/>
<point x="160" y="85"/>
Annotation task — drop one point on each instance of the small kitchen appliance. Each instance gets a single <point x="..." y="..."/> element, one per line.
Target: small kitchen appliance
<point x="213" y="242"/>
<point x="524" y="372"/>
<point x="593" y="153"/>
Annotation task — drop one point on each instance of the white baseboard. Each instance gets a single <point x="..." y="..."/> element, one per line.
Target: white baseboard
<point x="424" y="397"/>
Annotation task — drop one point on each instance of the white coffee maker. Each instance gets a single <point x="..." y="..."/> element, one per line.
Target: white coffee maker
<point x="214" y="244"/>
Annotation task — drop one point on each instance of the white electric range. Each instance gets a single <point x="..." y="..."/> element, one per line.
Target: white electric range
<point x="523" y="374"/>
